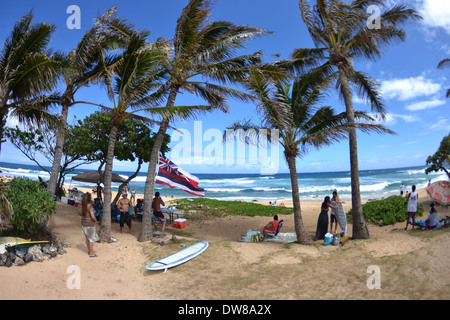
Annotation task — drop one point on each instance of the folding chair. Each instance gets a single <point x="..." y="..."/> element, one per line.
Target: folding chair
<point x="273" y="234"/>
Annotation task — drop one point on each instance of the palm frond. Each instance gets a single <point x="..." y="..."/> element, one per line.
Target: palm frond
<point x="191" y="20"/>
<point x="33" y="114"/>
<point x="367" y="88"/>
<point x="179" y="112"/>
<point x="444" y="64"/>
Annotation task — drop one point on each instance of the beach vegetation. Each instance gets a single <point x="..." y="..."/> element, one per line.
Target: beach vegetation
<point x="83" y="66"/>
<point x="34" y="143"/>
<point x="134" y="142"/>
<point x="387" y="211"/>
<point x="295" y="110"/>
<point x="6" y="210"/>
<point x="204" y="61"/>
<point x="32" y="204"/>
<point x="440" y="161"/>
<point x="342" y="33"/>
<point x="205" y="207"/>
<point x="27" y="71"/>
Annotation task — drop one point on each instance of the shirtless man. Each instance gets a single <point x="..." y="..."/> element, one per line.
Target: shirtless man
<point x="159" y="216"/>
<point x="123" y="205"/>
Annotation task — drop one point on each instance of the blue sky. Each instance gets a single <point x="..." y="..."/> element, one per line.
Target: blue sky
<point x="412" y="86"/>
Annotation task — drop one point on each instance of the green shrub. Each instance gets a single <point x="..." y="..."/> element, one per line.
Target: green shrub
<point x="31" y="203"/>
<point x="223" y="208"/>
<point x="386" y="211"/>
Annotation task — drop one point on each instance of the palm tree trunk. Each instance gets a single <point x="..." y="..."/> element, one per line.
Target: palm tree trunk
<point x="134" y="175"/>
<point x="146" y="232"/>
<point x="302" y="234"/>
<point x="52" y="183"/>
<point x="360" y="230"/>
<point x="105" y="229"/>
<point x="2" y="127"/>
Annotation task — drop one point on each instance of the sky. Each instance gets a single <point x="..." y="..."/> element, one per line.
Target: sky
<point x="412" y="87"/>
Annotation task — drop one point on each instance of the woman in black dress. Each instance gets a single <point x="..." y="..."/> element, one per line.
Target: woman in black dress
<point x="322" y="222"/>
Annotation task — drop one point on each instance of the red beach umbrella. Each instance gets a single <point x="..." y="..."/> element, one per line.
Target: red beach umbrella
<point x="440" y="192"/>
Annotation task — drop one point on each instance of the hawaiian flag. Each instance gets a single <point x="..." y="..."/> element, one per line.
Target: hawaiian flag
<point x="173" y="176"/>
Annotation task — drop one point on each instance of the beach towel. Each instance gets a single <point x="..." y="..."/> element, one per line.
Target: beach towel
<point x="280" y="237"/>
<point x="341" y="217"/>
<point x="283" y="238"/>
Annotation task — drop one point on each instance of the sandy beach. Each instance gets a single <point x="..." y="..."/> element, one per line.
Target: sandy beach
<point x="411" y="266"/>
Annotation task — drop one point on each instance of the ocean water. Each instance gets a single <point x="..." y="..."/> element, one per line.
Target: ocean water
<point x="374" y="184"/>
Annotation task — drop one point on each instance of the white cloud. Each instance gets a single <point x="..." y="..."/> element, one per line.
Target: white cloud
<point x="435" y="13"/>
<point x="425" y="105"/>
<point x="409" y="88"/>
<point x="442" y="124"/>
<point x="407" y="117"/>
<point x="391" y="118"/>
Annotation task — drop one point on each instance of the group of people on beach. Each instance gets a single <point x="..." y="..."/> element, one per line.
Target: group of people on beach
<point x="126" y="208"/>
<point x="98" y="190"/>
<point x="413" y="199"/>
<point x="337" y="216"/>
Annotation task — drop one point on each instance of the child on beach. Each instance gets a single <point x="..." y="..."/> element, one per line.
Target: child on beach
<point x="413" y="198"/>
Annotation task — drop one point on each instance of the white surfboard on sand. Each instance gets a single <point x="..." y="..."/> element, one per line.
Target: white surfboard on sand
<point x="178" y="257"/>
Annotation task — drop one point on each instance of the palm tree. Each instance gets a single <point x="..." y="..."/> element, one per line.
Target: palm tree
<point x="135" y="83"/>
<point x="130" y="83"/>
<point x="445" y="63"/>
<point x="341" y="34"/>
<point x="293" y="109"/>
<point x="201" y="50"/>
<point x="83" y="66"/>
<point x="27" y="70"/>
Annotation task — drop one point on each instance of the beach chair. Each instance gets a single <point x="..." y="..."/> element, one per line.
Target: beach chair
<point x="273" y="234"/>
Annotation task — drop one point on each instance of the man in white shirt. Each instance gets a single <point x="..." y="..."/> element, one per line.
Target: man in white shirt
<point x="413" y="199"/>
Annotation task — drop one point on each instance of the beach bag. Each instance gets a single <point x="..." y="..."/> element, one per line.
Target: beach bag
<point x="336" y="240"/>
<point x="130" y="210"/>
<point x="328" y="239"/>
<point x="257" y="238"/>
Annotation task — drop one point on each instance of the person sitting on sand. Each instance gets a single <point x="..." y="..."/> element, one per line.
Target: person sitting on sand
<point x="88" y="222"/>
<point x="157" y="214"/>
<point x="271" y="227"/>
<point x="431" y="222"/>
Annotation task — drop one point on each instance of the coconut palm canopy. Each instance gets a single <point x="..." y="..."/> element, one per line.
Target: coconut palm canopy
<point x="407" y="89"/>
